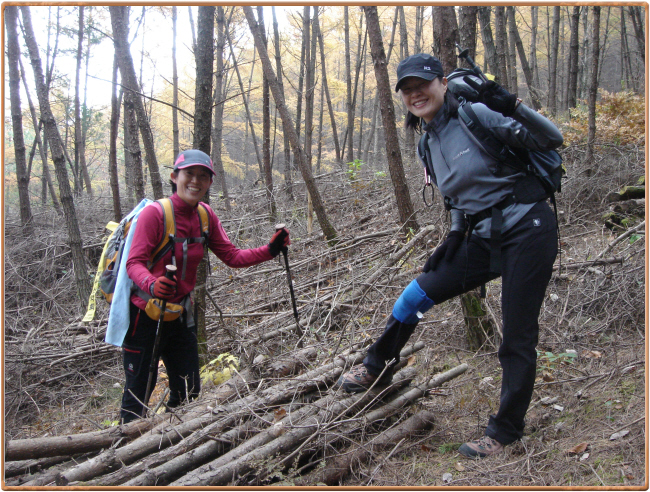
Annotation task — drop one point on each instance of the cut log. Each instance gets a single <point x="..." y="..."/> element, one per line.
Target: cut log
<point x="480" y="328"/>
<point x="338" y="468"/>
<point x="15" y="468"/>
<point x="43" y="447"/>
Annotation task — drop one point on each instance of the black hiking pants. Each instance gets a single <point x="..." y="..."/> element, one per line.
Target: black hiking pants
<point x="178" y="351"/>
<point x="527" y="254"/>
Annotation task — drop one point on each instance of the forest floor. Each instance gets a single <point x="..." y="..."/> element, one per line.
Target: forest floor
<point x="586" y="426"/>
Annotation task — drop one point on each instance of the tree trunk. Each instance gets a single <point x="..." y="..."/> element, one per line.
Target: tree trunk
<point x="502" y="46"/>
<point x="202" y="132"/>
<point x="175" y="142"/>
<point x="409" y="133"/>
<point x="512" y="49"/>
<point x="13" y="52"/>
<point x="449" y="29"/>
<point x="52" y="133"/>
<point x="574" y="47"/>
<point x="112" y="152"/>
<point x="554" y="44"/>
<point x="119" y="22"/>
<point x="637" y="16"/>
<point x="593" y="84"/>
<point x="217" y="124"/>
<point x="488" y="40"/>
<point x="528" y="74"/>
<point x="328" y="230"/>
<point x="330" y="108"/>
<point x="310" y="82"/>
<point x="80" y="162"/>
<point x="349" y="132"/>
<point x="132" y="144"/>
<point x="533" y="45"/>
<point x="266" y="129"/>
<point x="404" y="205"/>
<point x="480" y="329"/>
<point x="301" y="77"/>
<point x="467" y="28"/>
<point x="288" y="181"/>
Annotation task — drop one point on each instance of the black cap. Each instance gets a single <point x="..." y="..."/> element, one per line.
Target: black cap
<point x="193" y="157"/>
<point x="421" y="65"/>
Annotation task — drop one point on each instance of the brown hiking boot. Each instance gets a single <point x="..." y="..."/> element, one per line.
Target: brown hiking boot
<point x="358" y="379"/>
<point x="481" y="448"/>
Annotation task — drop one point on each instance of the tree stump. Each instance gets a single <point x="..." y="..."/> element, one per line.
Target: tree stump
<point x="480" y="328"/>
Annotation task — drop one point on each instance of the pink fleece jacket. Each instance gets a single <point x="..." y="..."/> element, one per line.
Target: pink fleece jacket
<point x="148" y="235"/>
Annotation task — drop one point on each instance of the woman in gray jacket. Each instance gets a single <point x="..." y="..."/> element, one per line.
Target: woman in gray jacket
<point x="464" y="174"/>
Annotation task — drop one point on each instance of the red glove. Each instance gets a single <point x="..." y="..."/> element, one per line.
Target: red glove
<point x="164" y="288"/>
<point x="279" y="241"/>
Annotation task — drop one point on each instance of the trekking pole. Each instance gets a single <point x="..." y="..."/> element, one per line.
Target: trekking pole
<point x="155" y="356"/>
<point x="464" y="54"/>
<point x="285" y="250"/>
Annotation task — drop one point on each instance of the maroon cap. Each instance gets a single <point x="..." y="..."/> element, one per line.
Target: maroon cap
<point x="193" y="157"/>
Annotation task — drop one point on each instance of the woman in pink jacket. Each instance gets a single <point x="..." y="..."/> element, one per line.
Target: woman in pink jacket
<point x="191" y="179"/>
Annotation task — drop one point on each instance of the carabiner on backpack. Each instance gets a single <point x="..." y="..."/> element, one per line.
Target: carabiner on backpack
<point x="427" y="183"/>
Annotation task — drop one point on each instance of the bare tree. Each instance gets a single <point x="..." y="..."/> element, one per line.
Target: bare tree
<point x="528" y="74"/>
<point x="287" y="146"/>
<point x="396" y="169"/>
<point x="593" y="83"/>
<point x="13" y="52"/>
<point x="112" y="152"/>
<point x="448" y="27"/>
<point x="119" y="22"/>
<point x="502" y="46"/>
<point x="348" y="84"/>
<point x="287" y="124"/>
<point x="53" y="137"/>
<point x="491" y="61"/>
<point x="409" y="133"/>
<point x="79" y="156"/>
<point x="574" y="47"/>
<point x="175" y="142"/>
<point x="534" y="11"/>
<point x="512" y="48"/>
<point x="554" y="44"/>
<point x="217" y="124"/>
<point x="467" y="28"/>
<point x="637" y="14"/>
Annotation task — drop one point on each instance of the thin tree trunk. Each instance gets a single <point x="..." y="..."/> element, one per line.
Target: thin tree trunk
<point x="301" y="77"/>
<point x="574" y="48"/>
<point x="42" y="144"/>
<point x="80" y="161"/>
<point x="330" y="108"/>
<point x="409" y="132"/>
<point x="132" y="142"/>
<point x="217" y="124"/>
<point x="467" y="28"/>
<point x="528" y="74"/>
<point x="512" y="48"/>
<point x="488" y="40"/>
<point x="554" y="44"/>
<point x="112" y="152"/>
<point x="310" y="82"/>
<point x="328" y="230"/>
<point x="266" y="129"/>
<point x="404" y="205"/>
<point x="119" y="22"/>
<point x="13" y="52"/>
<point x="320" y="129"/>
<point x="502" y="46"/>
<point x="175" y="142"/>
<point x="593" y="84"/>
<point x="52" y="132"/>
<point x="534" y="11"/>
<point x="348" y="84"/>
<point x="637" y="16"/>
<point x="287" y="146"/>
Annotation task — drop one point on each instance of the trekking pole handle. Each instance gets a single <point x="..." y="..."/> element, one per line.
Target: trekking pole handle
<point x="170" y="271"/>
<point x="279" y="227"/>
<point x="464" y="55"/>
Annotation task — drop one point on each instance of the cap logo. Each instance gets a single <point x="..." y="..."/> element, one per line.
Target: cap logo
<point x="427" y="68"/>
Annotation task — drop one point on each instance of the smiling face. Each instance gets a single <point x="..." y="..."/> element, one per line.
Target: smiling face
<point x="192" y="183"/>
<point x="422" y="97"/>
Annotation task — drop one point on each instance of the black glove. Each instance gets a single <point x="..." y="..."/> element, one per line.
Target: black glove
<point x="446" y="250"/>
<point x="494" y="96"/>
<point x="279" y="242"/>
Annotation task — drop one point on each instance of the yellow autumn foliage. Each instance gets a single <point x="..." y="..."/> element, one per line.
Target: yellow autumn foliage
<point x="620" y="120"/>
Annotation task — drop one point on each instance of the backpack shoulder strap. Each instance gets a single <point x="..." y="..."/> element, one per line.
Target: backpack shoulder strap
<point x="490" y="143"/>
<point x="425" y="155"/>
<point x="204" y="217"/>
<point x="169" y="230"/>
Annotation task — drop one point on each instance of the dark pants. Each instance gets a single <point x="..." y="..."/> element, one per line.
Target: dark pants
<point x="527" y="255"/>
<point x="178" y="351"/>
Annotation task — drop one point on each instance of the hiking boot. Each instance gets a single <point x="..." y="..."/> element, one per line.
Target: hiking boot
<point x="481" y="448"/>
<point x="358" y="379"/>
